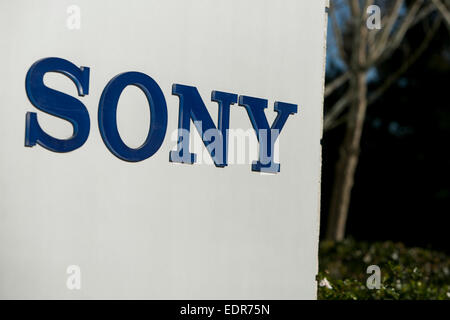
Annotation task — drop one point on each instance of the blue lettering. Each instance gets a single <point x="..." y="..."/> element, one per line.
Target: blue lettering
<point x="107" y="111"/>
<point x="57" y="104"/>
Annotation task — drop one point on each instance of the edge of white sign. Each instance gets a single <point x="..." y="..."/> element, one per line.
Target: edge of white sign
<point x="326" y="8"/>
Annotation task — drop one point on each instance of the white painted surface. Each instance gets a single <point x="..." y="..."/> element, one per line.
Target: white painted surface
<point x="154" y="229"/>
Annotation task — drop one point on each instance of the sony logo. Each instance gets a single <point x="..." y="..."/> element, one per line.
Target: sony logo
<point x="191" y="107"/>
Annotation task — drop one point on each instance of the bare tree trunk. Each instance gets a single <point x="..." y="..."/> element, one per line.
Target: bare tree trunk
<point x="367" y="50"/>
<point x="348" y="159"/>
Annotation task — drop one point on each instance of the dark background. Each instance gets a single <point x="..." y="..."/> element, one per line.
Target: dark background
<point x="402" y="183"/>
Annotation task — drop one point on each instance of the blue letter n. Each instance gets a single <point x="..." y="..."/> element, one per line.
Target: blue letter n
<point x="215" y="139"/>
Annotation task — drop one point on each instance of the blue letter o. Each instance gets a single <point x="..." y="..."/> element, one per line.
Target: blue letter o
<point x="107" y="111"/>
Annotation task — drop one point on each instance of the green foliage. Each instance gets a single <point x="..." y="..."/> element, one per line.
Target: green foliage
<point x="406" y="273"/>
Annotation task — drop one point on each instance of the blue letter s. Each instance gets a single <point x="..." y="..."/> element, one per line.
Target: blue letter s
<point x="58" y="104"/>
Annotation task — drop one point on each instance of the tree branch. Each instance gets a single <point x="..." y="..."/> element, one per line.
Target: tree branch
<point x="335" y="111"/>
<point x="336" y="83"/>
<point x="443" y="10"/>
<point x="394" y="41"/>
<point x="337" y="33"/>
<point x="404" y="67"/>
<point x="381" y="43"/>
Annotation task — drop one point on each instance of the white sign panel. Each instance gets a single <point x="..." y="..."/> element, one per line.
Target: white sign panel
<point x="160" y="149"/>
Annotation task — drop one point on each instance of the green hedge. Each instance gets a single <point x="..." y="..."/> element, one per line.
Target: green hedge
<point x="406" y="273"/>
